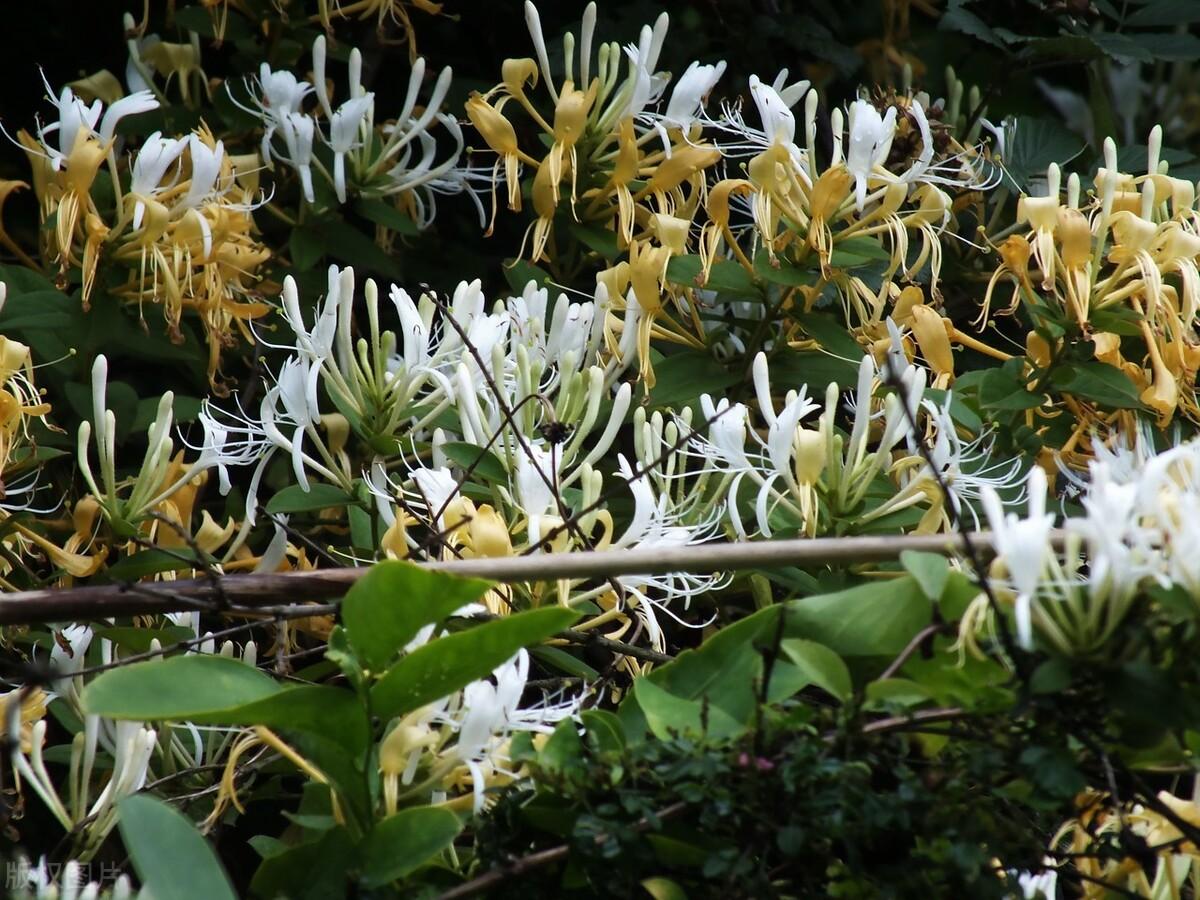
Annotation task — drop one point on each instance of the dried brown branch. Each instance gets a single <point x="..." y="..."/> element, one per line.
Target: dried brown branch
<point x="258" y="590"/>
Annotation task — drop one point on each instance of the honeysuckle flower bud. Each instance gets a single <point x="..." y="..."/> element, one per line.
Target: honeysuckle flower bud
<point x="810" y="455"/>
<point x="319" y="85"/>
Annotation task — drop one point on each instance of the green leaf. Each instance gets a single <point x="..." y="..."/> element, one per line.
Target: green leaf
<point x="877" y="619"/>
<point x="816" y="664"/>
<point x="857" y="251"/>
<point x="998" y="390"/>
<point x="305" y="248"/>
<point x="138" y="640"/>
<point x="723" y="669"/>
<point x="452" y="662"/>
<point x="1121" y="46"/>
<point x="682" y="377"/>
<point x="780" y="271"/>
<point x="957" y="18"/>
<point x="518" y="273"/>
<point x="564" y="662"/>
<point x="831" y="334"/>
<point x="600" y="240"/>
<point x="180" y="687"/>
<point x="603" y="730"/>
<point x="929" y="569"/>
<point x="37" y="310"/>
<point x="725" y="276"/>
<point x="386" y="608"/>
<point x="663" y="889"/>
<point x="1035" y="144"/>
<point x="314" y="870"/>
<point x="1169" y="46"/>
<point x="382" y="213"/>
<point x="1165" y="12"/>
<point x="294" y="499"/>
<point x="669" y="716"/>
<point x="313" y="708"/>
<point x="1099" y="382"/>
<point x="483" y="463"/>
<point x="401" y="843"/>
<point x="563" y="752"/>
<point x="815" y="368"/>
<point x="172" y="859"/>
<point x="345" y="243"/>
<point x="151" y="561"/>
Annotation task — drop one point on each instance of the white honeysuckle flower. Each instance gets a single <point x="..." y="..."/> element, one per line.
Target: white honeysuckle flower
<point x="534" y="484"/>
<point x="344" y="128"/>
<point x="131" y="105"/>
<point x="156" y="155"/>
<point x="298" y="130"/>
<point x="434" y="489"/>
<point x="291" y="402"/>
<point x="314" y="345"/>
<point x="67" y="657"/>
<point x="415" y="329"/>
<point x="281" y="91"/>
<point x="656" y="524"/>
<point x="726" y="432"/>
<point x="74" y="116"/>
<point x="647" y="86"/>
<point x="778" y="122"/>
<point x="206" y="168"/>
<point x="1041" y="885"/>
<point x="490" y="711"/>
<point x="689" y="93"/>
<point x="870" y="142"/>
<point x="1024" y="545"/>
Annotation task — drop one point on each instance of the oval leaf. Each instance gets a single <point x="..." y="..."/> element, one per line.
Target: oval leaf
<point x="172" y="859"/>
<point x="177" y="688"/>
<point x="386" y="608"/>
<point x="401" y="843"/>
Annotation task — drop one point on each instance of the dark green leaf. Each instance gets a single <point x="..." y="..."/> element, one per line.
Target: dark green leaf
<point x="483" y="463"/>
<point x="1037" y="143"/>
<point x="725" y="276"/>
<point x="877" y="619"/>
<point x="452" y="662"/>
<point x="294" y="499"/>
<point x="382" y="213"/>
<point x="1165" y="12"/>
<point x="1099" y="382"/>
<point x="780" y="271"/>
<point x="401" y="843"/>
<point x="317" y="709"/>
<point x="814" y="663"/>
<point x="180" y="687"/>
<point x="929" y="569"/>
<point x="173" y="861"/>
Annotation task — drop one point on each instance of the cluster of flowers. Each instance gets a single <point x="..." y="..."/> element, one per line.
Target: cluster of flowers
<point x="180" y="224"/>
